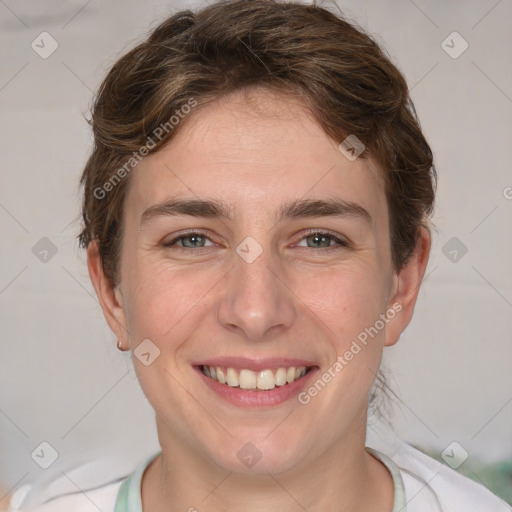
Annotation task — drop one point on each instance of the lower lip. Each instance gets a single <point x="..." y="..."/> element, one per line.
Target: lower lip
<point x="257" y="399"/>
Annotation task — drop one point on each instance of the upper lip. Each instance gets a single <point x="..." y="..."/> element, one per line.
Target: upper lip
<point x="254" y="364"/>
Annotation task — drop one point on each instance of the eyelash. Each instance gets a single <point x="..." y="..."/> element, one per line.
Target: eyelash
<point x="330" y="234"/>
<point x="341" y="243"/>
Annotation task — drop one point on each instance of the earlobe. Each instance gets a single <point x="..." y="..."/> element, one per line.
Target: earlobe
<point x="407" y="285"/>
<point x="110" y="298"/>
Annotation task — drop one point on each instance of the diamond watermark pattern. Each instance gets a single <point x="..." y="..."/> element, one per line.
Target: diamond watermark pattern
<point x="146" y="352"/>
<point x="454" y="45"/>
<point x="454" y="249"/>
<point x="454" y="455"/>
<point x="249" y="249"/>
<point x="249" y="455"/>
<point x="44" y="455"/>
<point x="44" y="45"/>
<point x="44" y="250"/>
<point x="351" y="147"/>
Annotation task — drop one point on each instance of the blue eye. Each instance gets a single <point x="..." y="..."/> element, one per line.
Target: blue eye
<point x="191" y="240"/>
<point x="321" y="240"/>
<point x="314" y="239"/>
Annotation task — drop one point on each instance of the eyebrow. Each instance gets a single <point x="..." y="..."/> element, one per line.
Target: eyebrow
<point x="300" y="208"/>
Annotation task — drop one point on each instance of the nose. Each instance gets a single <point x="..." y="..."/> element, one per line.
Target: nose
<point x="256" y="301"/>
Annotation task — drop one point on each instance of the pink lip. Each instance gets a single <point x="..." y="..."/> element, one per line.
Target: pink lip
<point x="258" y="399"/>
<point x="255" y="365"/>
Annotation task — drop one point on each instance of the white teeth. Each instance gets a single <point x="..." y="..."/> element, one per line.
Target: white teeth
<point x="248" y="379"/>
<point x="281" y="377"/>
<point x="232" y="378"/>
<point x="220" y="375"/>
<point x="266" y="380"/>
<point x="300" y="372"/>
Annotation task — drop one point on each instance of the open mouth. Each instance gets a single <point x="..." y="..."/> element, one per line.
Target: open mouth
<point x="263" y="380"/>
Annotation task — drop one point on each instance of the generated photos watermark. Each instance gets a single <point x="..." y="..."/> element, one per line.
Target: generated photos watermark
<point x="343" y="360"/>
<point x="158" y="133"/>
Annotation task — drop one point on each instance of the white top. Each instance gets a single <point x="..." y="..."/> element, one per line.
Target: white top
<point x="421" y="484"/>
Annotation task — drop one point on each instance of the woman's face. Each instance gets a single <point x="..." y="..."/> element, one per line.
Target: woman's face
<point x="254" y="288"/>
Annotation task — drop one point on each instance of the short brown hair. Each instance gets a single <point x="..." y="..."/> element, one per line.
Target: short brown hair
<point x="347" y="82"/>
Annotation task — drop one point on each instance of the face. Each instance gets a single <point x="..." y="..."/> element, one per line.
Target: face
<point x="253" y="245"/>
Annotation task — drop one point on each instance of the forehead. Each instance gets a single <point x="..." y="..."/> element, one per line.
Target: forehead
<point x="254" y="149"/>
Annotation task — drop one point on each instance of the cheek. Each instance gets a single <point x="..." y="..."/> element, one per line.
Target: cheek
<point x="162" y="301"/>
<point x="347" y="299"/>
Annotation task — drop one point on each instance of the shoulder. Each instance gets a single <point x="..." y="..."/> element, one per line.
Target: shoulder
<point x="89" y="500"/>
<point x="86" y="487"/>
<point x="430" y="486"/>
<point x="428" y="483"/>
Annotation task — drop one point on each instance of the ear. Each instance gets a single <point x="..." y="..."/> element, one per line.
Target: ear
<point x="407" y="286"/>
<point x="110" y="298"/>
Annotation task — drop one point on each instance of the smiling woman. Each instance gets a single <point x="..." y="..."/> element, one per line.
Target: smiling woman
<point x="258" y="258"/>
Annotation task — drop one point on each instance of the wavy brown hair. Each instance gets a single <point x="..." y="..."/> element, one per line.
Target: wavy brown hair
<point x="346" y="80"/>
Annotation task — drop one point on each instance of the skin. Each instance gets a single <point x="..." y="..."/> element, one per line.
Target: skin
<point x="255" y="152"/>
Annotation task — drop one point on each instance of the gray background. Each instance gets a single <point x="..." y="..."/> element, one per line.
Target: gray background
<point x="62" y="379"/>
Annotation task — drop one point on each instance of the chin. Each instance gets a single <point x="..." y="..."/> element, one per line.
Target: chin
<point x="260" y="455"/>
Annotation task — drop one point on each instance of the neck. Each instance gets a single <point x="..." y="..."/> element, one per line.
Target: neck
<point x="344" y="478"/>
